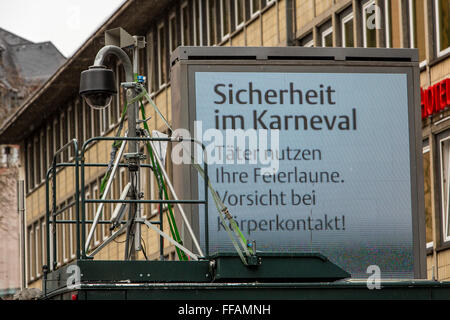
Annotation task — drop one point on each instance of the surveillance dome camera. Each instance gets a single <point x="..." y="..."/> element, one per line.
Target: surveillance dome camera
<point x="97" y="86"/>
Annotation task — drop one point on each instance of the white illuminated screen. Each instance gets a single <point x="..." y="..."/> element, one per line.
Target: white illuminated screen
<point x="343" y="184"/>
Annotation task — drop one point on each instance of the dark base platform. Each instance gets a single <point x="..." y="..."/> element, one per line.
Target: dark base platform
<point x="278" y="277"/>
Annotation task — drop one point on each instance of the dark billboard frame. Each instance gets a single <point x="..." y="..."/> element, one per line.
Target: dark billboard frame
<point x="186" y="61"/>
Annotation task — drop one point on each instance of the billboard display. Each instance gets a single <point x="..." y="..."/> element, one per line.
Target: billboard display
<point x="312" y="160"/>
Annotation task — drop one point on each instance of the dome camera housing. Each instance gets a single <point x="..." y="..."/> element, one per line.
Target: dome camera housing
<point x="97" y="86"/>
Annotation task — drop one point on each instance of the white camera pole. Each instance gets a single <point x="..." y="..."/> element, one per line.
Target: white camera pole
<point x="133" y="157"/>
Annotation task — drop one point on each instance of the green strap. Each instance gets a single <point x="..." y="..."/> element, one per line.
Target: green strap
<point x="162" y="186"/>
<point x="117" y="143"/>
<point x="221" y="208"/>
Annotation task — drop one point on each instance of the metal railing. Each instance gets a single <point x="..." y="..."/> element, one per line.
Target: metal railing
<point x="80" y="200"/>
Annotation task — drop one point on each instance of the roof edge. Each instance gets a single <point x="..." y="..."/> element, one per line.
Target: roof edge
<point x="15" y="115"/>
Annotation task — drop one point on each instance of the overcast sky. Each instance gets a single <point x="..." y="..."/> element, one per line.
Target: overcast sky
<point x="67" y="23"/>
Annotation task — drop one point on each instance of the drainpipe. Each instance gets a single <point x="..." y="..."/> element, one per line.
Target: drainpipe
<point x="21" y="212"/>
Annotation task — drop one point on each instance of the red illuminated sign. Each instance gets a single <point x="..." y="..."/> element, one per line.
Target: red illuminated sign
<point x="435" y="99"/>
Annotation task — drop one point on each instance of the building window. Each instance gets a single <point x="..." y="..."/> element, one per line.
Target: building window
<point x="95" y="116"/>
<point x="120" y="90"/>
<point x="239" y="6"/>
<point x="161" y="55"/>
<point x="112" y="111"/>
<point x="88" y="210"/>
<point x="442" y="26"/>
<point x="38" y="248"/>
<point x="71" y="125"/>
<point x="31" y="253"/>
<point x="108" y="209"/>
<point x="49" y="145"/>
<point x="173" y="41"/>
<point x="67" y="235"/>
<point x="392" y="25"/>
<point x="80" y="122"/>
<point x="43" y="154"/>
<point x="198" y="23"/>
<point x="212" y="22"/>
<point x="417" y="27"/>
<point x="63" y="136"/>
<point x="73" y="230"/>
<point x="444" y="149"/>
<point x="30" y="166"/>
<point x="307" y="41"/>
<point x="37" y="161"/>
<point x="150" y="71"/>
<point x="327" y="37"/>
<point x="427" y="192"/>
<point x="254" y="7"/>
<point x="44" y="241"/>
<point x="104" y="120"/>
<point x="98" y="229"/>
<point x="224" y="19"/>
<point x="388" y="23"/>
<point x="347" y="31"/>
<point x="59" y="238"/>
<point x="369" y="25"/>
<point x="56" y="135"/>
<point x="87" y="121"/>
<point x="185" y="39"/>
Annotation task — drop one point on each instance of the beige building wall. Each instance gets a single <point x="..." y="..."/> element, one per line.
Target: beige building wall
<point x="9" y="232"/>
<point x="268" y="28"/>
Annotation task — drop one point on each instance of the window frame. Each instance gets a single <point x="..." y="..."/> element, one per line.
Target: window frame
<point x="387" y="23"/>
<point x="439" y="50"/>
<point x="426" y="149"/>
<point x="161" y="56"/>
<point x="70" y="129"/>
<point x="236" y="6"/>
<point x="44" y="239"/>
<point x="87" y="196"/>
<point x="49" y="141"/>
<point x="444" y="223"/>
<point x="43" y="154"/>
<point x="412" y="23"/>
<point x="95" y="193"/>
<point x="63" y="133"/>
<point x="37" y="160"/>
<point x="252" y="12"/>
<point x="79" y="124"/>
<point x="172" y="17"/>
<point x="225" y="36"/>
<point x="87" y="120"/>
<point x="96" y="122"/>
<point x="30" y="168"/>
<point x="31" y="253"/>
<point x="108" y="208"/>
<point x="197" y="13"/>
<point x="65" y="237"/>
<point x="184" y="42"/>
<point x="103" y="123"/>
<point x="36" y="228"/>
<point x="364" y="22"/>
<point x="211" y="22"/>
<point x="324" y="34"/>
<point x="346" y="19"/>
<point x="62" y="142"/>
<point x="150" y="72"/>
